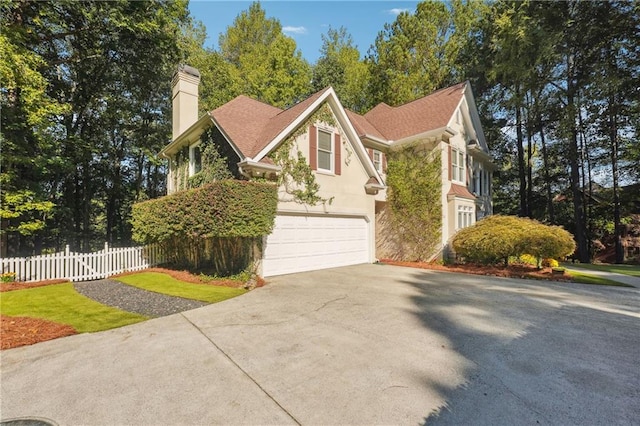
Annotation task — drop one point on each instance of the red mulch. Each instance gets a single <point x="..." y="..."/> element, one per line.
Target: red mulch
<point x="16" y="285"/>
<point x="21" y="331"/>
<point x="511" y="271"/>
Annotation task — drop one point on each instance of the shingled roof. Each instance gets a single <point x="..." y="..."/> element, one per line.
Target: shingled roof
<point x="395" y="123"/>
<point x="252" y="125"/>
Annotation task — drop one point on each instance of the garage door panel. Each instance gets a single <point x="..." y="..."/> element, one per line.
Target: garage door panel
<point x="304" y="243"/>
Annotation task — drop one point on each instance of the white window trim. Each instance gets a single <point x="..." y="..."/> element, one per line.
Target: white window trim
<point x="464" y="216"/>
<point x="459" y="170"/>
<point x="192" y="163"/>
<point x="331" y="169"/>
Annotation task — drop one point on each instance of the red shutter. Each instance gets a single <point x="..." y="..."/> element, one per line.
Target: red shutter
<point x="313" y="148"/>
<point x="384" y="162"/>
<point x="338" y="148"/>
<point x="370" y="151"/>
<point x="450" y="164"/>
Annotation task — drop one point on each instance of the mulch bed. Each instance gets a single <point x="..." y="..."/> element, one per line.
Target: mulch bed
<point x="511" y="271"/>
<point x="16" y="285"/>
<point x="188" y="277"/>
<point x="21" y="331"/>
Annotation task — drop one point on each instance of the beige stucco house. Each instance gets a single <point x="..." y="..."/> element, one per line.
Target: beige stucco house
<point x="347" y="155"/>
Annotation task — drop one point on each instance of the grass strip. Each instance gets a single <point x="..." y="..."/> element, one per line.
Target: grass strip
<point x="584" y="278"/>
<point x="633" y="270"/>
<point x="165" y="284"/>
<point x="61" y="303"/>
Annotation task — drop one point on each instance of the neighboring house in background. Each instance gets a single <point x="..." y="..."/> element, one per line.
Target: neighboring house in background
<point x="347" y="153"/>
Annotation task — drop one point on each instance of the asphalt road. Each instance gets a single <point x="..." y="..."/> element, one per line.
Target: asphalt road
<point x="367" y="344"/>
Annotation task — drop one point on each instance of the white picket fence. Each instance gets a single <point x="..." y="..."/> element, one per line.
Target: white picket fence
<point x="82" y="266"/>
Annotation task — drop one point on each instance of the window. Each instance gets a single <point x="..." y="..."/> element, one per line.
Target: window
<point x="457" y="165"/>
<point x="377" y="160"/>
<point x="195" y="159"/>
<point x="325" y="151"/>
<point x="486" y="183"/>
<point x="464" y="217"/>
<point x="481" y="182"/>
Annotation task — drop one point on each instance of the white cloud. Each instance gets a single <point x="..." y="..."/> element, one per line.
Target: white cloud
<point x="294" y="30"/>
<point x="397" y="11"/>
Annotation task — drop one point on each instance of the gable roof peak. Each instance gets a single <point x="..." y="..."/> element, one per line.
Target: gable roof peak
<point x="421" y="115"/>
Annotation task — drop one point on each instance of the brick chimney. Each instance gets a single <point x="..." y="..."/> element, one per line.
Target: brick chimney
<point x="185" y="98"/>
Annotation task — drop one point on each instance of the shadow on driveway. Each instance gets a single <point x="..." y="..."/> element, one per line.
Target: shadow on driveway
<point x="540" y="353"/>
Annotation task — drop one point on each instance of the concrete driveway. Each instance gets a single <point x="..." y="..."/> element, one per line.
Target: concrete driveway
<point x="367" y="344"/>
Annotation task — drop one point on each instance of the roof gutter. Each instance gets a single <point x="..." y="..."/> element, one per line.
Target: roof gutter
<point x="250" y="168"/>
<point x="444" y="132"/>
<point x="173" y="147"/>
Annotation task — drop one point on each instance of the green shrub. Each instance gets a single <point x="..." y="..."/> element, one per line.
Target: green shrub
<point x="550" y="263"/>
<point x="492" y="240"/>
<point x="497" y="238"/>
<point x="528" y="259"/>
<point x="215" y="227"/>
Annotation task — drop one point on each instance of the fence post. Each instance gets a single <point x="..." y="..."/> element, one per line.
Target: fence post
<point x="107" y="260"/>
<point x="67" y="263"/>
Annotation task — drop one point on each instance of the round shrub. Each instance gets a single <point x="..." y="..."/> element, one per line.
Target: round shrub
<point x="497" y="238"/>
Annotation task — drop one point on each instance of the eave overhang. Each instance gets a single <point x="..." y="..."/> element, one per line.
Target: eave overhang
<point x="187" y="137"/>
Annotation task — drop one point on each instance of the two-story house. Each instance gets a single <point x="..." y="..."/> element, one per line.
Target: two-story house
<point x="346" y="153"/>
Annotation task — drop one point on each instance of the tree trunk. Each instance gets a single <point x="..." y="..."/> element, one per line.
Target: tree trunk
<point x="613" y="136"/>
<point x="521" y="168"/>
<point x="587" y="181"/>
<point x="578" y="207"/>
<point x="547" y="178"/>
<point x="529" y="171"/>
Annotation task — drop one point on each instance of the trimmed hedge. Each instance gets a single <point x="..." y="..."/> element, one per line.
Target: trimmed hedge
<point x="227" y="208"/>
<point x="497" y="238"/>
<point x="214" y="227"/>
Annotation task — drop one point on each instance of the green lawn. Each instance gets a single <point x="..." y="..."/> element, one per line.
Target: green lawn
<point x="165" y="284"/>
<point x="62" y="304"/>
<point x="585" y="278"/>
<point x="633" y="270"/>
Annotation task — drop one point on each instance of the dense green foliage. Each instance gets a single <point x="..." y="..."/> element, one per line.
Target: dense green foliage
<point x="214" y="227"/>
<point x="84" y="110"/>
<point x="340" y="66"/>
<point x="226" y="208"/>
<point x="414" y="181"/>
<point x="255" y="59"/>
<point x="423" y="51"/>
<point x="497" y="238"/>
<point x="561" y="77"/>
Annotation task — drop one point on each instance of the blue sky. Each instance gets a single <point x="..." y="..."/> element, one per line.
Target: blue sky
<point x="306" y="21"/>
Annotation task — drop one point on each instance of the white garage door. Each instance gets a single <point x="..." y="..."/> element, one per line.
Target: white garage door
<point x="307" y="243"/>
